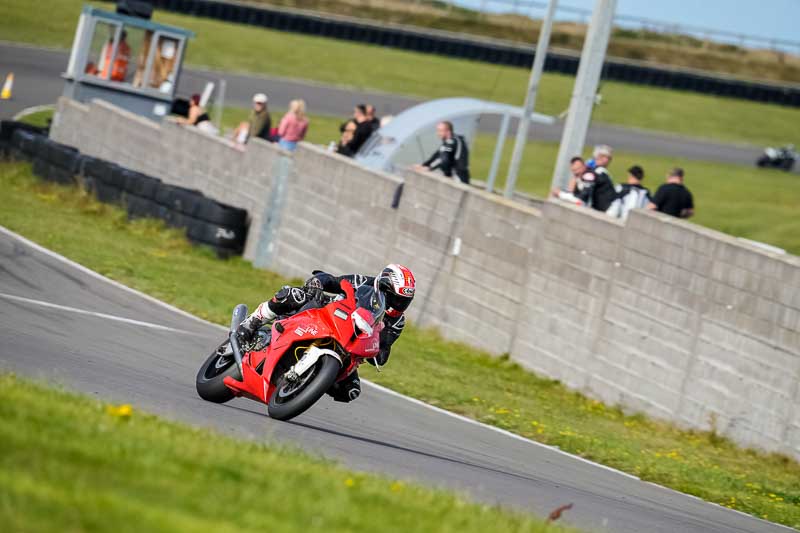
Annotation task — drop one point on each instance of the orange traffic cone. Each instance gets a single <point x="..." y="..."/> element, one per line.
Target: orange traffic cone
<point x="5" y="94"/>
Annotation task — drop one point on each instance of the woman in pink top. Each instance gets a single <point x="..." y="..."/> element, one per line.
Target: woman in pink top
<point x="293" y="126"/>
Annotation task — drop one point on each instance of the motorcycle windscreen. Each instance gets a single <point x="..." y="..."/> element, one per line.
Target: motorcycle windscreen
<point x="372" y="301"/>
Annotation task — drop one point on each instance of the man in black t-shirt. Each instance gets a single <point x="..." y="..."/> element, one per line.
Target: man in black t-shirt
<point x="673" y="198"/>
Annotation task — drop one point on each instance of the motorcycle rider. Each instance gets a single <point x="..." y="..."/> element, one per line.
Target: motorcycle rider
<point x="397" y="284"/>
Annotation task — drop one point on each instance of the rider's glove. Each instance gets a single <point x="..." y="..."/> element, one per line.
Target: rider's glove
<point x="247" y="329"/>
<point x="314" y="290"/>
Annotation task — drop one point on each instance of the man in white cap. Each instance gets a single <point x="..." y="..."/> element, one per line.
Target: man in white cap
<point x="258" y="124"/>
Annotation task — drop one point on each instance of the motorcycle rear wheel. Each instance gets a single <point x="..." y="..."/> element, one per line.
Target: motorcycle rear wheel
<point x="292" y="399"/>
<point x="210" y="378"/>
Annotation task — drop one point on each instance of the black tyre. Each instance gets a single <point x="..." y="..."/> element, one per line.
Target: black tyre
<point x="221" y="214"/>
<point x="209" y="381"/>
<point x="762" y="161"/>
<point x="787" y="164"/>
<point x="61" y="175"/>
<point x="179" y="199"/>
<point x="98" y="169"/>
<point x="116" y="176"/>
<point x="139" y="207"/>
<point x="63" y="156"/>
<point x="215" y="235"/>
<point x="41" y="147"/>
<point x="292" y="399"/>
<point x="41" y="168"/>
<point x="24" y="142"/>
<point x="173" y="218"/>
<point x="140" y="184"/>
<point x="107" y="193"/>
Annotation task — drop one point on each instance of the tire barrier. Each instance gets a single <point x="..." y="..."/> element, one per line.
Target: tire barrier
<point x="207" y="222"/>
<point x="477" y="49"/>
<point x="7" y="130"/>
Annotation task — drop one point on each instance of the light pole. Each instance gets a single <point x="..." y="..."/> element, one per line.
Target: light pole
<point x="583" y="95"/>
<point x="530" y="97"/>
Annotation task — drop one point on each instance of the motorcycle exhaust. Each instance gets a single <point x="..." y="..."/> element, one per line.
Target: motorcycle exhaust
<point x="239" y="314"/>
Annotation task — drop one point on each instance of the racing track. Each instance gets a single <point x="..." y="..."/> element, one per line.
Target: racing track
<point x="62" y="323"/>
<point x="37" y="81"/>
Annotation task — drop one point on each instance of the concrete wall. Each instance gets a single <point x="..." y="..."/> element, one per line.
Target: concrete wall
<point x="178" y="155"/>
<point x="658" y="315"/>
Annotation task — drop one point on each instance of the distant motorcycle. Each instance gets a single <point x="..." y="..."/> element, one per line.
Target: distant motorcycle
<point x="782" y="158"/>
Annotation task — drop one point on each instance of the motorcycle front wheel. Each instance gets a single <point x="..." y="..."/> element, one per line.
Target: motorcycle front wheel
<point x="210" y="377"/>
<point x="294" y="397"/>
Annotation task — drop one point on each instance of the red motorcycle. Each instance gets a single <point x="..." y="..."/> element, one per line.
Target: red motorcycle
<point x="295" y="362"/>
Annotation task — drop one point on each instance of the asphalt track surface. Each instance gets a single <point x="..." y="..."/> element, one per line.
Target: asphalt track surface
<point x="62" y="323"/>
<point x="37" y="81"/>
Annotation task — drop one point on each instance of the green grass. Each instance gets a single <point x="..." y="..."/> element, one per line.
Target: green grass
<point x="249" y="49"/>
<point x="453" y="376"/>
<point x="70" y="463"/>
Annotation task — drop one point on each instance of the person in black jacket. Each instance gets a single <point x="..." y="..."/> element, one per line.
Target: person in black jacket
<point x="395" y="282"/>
<point x="452" y="157"/>
<point x="598" y="191"/>
<point x="363" y="131"/>
<point x="673" y="198"/>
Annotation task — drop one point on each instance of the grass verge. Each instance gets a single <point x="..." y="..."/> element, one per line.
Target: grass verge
<point x="70" y="463"/>
<point x="453" y="376"/>
<point x="229" y="47"/>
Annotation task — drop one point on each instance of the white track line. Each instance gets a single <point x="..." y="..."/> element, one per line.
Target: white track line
<point x="149" y="298"/>
<point x="91" y="313"/>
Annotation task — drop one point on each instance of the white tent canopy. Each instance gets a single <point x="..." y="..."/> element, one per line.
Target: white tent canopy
<point x="410" y="137"/>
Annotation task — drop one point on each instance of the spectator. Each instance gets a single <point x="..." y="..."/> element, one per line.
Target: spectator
<point x="196" y="113"/>
<point x="363" y="128"/>
<point x="673" y="198"/>
<point x="118" y="69"/>
<point x="258" y="124"/>
<point x="293" y="126"/>
<point x="197" y="117"/>
<point x="598" y="191"/>
<point x="576" y="182"/>
<point x="348" y="131"/>
<point x="631" y="195"/>
<point x="452" y="156"/>
<point x="374" y="122"/>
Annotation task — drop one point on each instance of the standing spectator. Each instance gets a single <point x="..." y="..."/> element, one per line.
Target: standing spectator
<point x="598" y="191"/>
<point x="258" y="124"/>
<point x="673" y="198"/>
<point x="631" y="195"/>
<point x="112" y="70"/>
<point x="452" y="157"/>
<point x="348" y="131"/>
<point x="576" y="182"/>
<point x="293" y="126"/>
<point x="363" y="128"/>
<point x="374" y="122"/>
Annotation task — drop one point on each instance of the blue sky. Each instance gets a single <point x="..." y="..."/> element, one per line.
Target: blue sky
<point x="766" y="18"/>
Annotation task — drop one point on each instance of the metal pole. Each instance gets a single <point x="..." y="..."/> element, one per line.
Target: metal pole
<point x="530" y="97"/>
<point x="219" y="103"/>
<point x="583" y="95"/>
<point x="498" y="153"/>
